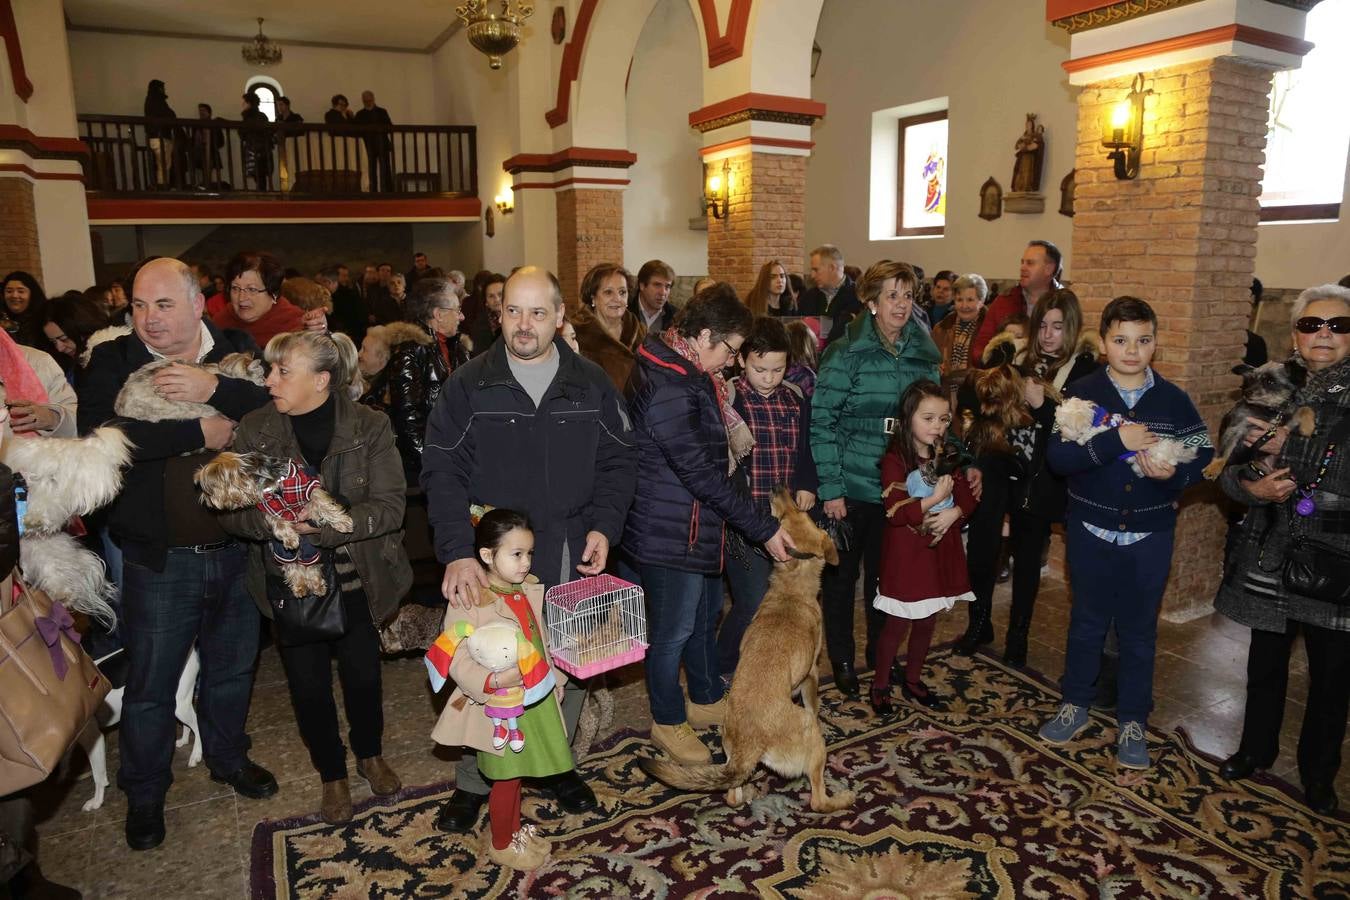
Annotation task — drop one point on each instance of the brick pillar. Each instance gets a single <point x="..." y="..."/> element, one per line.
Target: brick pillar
<point x="1182" y="236"/>
<point x="590" y="231"/>
<point x="766" y="219"/>
<point x="18" y="227"/>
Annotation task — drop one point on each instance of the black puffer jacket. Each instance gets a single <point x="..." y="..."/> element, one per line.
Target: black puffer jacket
<point x="416" y="374"/>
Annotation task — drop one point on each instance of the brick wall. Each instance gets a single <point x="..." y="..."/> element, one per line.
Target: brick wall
<point x="18" y="228"/>
<point x="590" y="231"/>
<point x="1182" y="236"/>
<point x="766" y="219"/>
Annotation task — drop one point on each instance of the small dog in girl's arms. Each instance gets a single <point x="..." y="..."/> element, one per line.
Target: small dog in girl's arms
<point x="1267" y="392"/>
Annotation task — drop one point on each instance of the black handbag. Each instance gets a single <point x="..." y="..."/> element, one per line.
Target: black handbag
<point x="314" y="617"/>
<point x="1316" y="570"/>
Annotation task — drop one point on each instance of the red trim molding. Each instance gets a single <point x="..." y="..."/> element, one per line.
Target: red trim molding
<point x="41" y="176"/>
<point x="723" y="48"/>
<point x="758" y="107"/>
<point x="9" y="30"/>
<point x="567" y="158"/>
<point x="1245" y="34"/>
<point x="571" y="64"/>
<point x="16" y="137"/>
<point x="756" y="142"/>
<point x="117" y="208"/>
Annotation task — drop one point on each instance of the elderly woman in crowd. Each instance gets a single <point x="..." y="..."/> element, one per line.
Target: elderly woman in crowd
<point x="954" y="334"/>
<point x="862" y="375"/>
<point x="311" y="419"/>
<point x="256" y="305"/>
<point x="608" y="332"/>
<point x="772" y="293"/>
<point x="1298" y="523"/>
<point x="419" y="370"/>
<point x="377" y="351"/>
<point x="22" y="315"/>
<point x="690" y="440"/>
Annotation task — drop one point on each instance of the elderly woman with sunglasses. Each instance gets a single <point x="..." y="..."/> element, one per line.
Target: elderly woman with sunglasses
<point x="1299" y="498"/>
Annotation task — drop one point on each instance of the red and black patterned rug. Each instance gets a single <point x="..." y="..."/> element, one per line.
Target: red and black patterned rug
<point x="962" y="803"/>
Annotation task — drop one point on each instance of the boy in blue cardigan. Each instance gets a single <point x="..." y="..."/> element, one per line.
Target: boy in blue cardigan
<point x="1119" y="528"/>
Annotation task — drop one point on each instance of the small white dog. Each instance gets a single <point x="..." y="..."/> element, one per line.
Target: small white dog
<point x="138" y="398"/>
<point x="110" y="713"/>
<point x="1081" y="420"/>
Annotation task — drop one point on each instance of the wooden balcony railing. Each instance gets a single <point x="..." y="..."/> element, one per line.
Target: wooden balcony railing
<point x="215" y="158"/>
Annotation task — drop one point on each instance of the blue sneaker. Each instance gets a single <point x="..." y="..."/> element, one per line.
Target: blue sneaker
<point x="1132" y="746"/>
<point x="1065" y="724"/>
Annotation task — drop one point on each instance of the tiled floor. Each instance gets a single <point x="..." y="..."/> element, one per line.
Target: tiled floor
<point x="1200" y="685"/>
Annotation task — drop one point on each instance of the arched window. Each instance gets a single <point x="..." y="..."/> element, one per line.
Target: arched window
<point x="268" y="90"/>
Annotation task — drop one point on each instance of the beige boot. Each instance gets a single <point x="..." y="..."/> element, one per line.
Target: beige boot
<point x="336" y="805"/>
<point x="525" y="853"/>
<point x="375" y="770"/>
<point x="705" y="715"/>
<point x="681" y="744"/>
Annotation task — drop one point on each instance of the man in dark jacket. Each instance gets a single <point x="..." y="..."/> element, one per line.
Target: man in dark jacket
<point x="379" y="146"/>
<point x="350" y="315"/>
<point x="651" y="302"/>
<point x="834" y="294"/>
<point x="183" y="575"/>
<point x="531" y="426"/>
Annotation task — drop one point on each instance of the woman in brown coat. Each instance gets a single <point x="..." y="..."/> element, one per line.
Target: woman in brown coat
<point x="609" y="334"/>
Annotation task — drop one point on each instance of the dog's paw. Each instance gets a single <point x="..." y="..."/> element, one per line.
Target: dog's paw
<point x="283" y="532"/>
<point x="93" y="802"/>
<point x="833" y="803"/>
<point x="342" y="523"/>
<point x="1303" y="421"/>
<point x="1215" y="467"/>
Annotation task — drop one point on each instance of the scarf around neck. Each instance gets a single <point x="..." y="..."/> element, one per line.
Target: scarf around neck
<point x="739" y="439"/>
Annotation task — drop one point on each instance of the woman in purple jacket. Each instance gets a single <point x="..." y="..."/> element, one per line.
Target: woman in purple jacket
<point x="690" y="441"/>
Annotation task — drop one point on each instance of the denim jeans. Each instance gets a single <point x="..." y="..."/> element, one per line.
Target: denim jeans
<point x="198" y="598"/>
<point x="749" y="580"/>
<point x="1120" y="584"/>
<point x="682" y="610"/>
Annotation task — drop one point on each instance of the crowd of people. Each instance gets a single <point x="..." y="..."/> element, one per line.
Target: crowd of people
<point x="916" y="419"/>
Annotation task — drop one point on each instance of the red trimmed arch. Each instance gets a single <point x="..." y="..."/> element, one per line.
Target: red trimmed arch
<point x="723" y="48"/>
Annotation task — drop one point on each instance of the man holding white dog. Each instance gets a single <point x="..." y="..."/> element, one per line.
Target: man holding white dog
<point x="183" y="576"/>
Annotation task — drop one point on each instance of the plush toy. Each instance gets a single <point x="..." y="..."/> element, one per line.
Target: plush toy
<point x="496" y="647"/>
<point x="1081" y="420"/>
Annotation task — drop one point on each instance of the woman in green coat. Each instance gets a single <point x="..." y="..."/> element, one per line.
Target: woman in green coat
<point x="862" y="375"/>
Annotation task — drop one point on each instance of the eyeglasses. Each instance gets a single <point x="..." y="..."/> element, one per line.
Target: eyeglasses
<point x="1312" y="324"/>
<point x="730" y="349"/>
<point x="240" y="291"/>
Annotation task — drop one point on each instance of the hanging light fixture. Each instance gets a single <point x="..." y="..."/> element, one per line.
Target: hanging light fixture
<point x="263" y="51"/>
<point x="495" y="34"/>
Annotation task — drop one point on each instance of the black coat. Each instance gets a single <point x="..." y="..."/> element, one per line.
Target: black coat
<point x="567" y="464"/>
<point x="661" y="322"/>
<point x="350" y="315"/>
<point x="416" y="374"/>
<point x="137" y="515"/>
<point x="685" y="497"/>
<point x="841" y="309"/>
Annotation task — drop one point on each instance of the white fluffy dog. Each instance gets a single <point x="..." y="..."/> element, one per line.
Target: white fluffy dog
<point x="1081" y="420"/>
<point x="138" y="398"/>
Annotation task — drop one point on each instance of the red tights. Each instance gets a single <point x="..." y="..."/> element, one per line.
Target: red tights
<point x="504" y="811"/>
<point x="888" y="644"/>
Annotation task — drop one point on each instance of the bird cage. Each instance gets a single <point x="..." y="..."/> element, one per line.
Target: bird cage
<point x="595" y="624"/>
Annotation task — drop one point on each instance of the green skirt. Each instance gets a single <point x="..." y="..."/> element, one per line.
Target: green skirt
<point x="546" y="749"/>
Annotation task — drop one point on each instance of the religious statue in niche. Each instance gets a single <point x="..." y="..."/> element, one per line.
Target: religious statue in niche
<point x="1066" y="188"/>
<point x="490" y="222"/>
<point x="558" y="27"/>
<point x="1025" y="196"/>
<point x="991" y="200"/>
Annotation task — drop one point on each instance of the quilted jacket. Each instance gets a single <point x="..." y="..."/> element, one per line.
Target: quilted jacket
<point x="417" y="372"/>
<point x="685" y="497"/>
<point x="858" y="390"/>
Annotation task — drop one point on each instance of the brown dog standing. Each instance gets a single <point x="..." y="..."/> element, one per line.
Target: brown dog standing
<point x="778" y="660"/>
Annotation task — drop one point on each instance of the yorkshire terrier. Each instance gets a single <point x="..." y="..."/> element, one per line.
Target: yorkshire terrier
<point x="280" y="489"/>
<point x="1266" y="393"/>
<point x="1080" y="420"/>
<point x="1002" y="407"/>
<point x="138" y="398"/>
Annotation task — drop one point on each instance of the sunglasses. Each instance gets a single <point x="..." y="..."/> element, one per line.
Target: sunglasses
<point x="1312" y="324"/>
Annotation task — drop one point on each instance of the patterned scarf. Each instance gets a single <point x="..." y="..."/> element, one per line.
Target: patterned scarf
<point x="739" y="439"/>
<point x="961" y="337"/>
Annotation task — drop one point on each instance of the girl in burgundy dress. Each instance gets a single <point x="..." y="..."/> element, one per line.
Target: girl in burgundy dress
<point x="923" y="565"/>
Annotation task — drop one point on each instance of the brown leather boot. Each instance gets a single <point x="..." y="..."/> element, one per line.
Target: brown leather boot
<point x="336" y="806"/>
<point x="383" y="781"/>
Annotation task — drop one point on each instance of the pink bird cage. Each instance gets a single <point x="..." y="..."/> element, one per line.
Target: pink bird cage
<point x="595" y="625"/>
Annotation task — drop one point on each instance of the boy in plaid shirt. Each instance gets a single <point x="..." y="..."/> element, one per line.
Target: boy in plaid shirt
<point x="779" y="417"/>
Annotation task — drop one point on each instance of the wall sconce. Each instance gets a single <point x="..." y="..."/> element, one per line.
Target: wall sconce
<point x="1123" y="130"/>
<point x="505" y="203"/>
<point x="717" y="196"/>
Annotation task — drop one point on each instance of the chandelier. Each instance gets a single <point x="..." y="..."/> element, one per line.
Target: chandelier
<point x="494" y="33"/>
<point x="263" y="51"/>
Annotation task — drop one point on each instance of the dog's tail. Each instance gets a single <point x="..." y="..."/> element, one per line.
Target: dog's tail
<point x="698" y="778"/>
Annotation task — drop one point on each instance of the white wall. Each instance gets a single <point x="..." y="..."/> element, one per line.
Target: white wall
<point x="112" y="70"/>
<point x="1299" y="256"/>
<point x="663" y="88"/>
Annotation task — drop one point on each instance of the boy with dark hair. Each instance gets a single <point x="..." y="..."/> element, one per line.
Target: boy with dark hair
<point x="1120" y="526"/>
<point x="779" y="417"/>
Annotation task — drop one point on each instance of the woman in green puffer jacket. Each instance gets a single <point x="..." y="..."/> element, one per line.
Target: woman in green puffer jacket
<point x="862" y="375"/>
